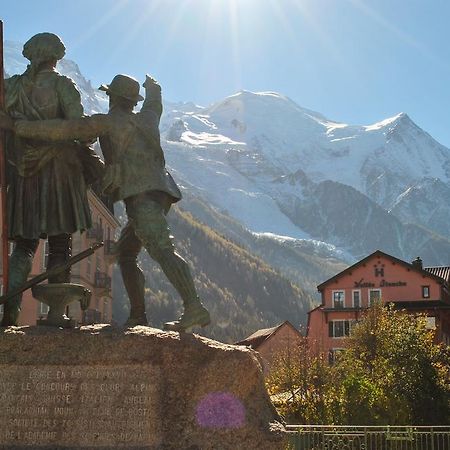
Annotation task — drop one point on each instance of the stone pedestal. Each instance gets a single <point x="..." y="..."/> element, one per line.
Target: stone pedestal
<point x="57" y="296"/>
<point x="98" y="387"/>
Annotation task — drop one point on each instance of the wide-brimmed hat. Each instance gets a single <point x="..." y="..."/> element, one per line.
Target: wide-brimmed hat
<point x="44" y="47"/>
<point x="123" y="86"/>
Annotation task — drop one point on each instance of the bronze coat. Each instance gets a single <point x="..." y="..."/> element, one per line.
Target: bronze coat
<point x="130" y="143"/>
<point x="47" y="193"/>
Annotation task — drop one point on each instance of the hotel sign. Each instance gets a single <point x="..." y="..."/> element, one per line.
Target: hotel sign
<point x="383" y="283"/>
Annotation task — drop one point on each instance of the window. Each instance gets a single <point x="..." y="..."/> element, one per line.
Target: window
<point x="43" y="308"/>
<point x="431" y="323"/>
<point x="89" y="266"/>
<point x="374" y="296"/>
<point x="338" y="299"/>
<point x="339" y="328"/>
<point x="357" y="299"/>
<point x="333" y="355"/>
<point x="45" y="255"/>
<point x="426" y="291"/>
<point x="10" y="248"/>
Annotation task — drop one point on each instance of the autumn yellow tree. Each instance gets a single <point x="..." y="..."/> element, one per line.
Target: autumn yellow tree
<point x="391" y="373"/>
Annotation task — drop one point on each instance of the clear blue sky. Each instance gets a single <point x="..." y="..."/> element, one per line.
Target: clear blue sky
<point x="356" y="61"/>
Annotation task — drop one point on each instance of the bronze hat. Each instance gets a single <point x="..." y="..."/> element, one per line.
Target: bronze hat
<point x="123" y="86"/>
<point x="44" y="47"/>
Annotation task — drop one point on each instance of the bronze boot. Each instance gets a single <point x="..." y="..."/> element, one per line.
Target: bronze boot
<point x="177" y="271"/>
<point x="19" y="269"/>
<point x="194" y="315"/>
<point x="134" y="282"/>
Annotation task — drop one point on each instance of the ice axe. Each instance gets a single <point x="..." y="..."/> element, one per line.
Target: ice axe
<point x="51" y="272"/>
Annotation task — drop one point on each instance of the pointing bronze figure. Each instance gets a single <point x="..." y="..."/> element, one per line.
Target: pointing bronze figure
<point x="136" y="174"/>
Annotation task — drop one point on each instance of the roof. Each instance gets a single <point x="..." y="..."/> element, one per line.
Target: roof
<point x="258" y="337"/>
<point x="378" y="253"/>
<point x="317" y="307"/>
<point x="440" y="271"/>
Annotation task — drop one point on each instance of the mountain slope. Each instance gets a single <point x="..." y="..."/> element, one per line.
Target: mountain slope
<point x="302" y="261"/>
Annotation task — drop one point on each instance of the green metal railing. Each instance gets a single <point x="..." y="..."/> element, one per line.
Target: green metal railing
<point x="336" y="437"/>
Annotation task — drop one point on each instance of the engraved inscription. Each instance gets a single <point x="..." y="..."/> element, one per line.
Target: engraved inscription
<point x="80" y="405"/>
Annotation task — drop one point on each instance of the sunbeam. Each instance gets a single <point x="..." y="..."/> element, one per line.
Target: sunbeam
<point x="235" y="42"/>
<point x="99" y="24"/>
<point x="287" y="11"/>
<point x="143" y="20"/>
<point x="401" y="34"/>
<point x="172" y="32"/>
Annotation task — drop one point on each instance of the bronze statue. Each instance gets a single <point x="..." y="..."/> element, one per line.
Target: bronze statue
<point x="135" y="173"/>
<point x="47" y="193"/>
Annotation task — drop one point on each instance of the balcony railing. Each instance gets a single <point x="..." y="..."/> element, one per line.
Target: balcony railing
<point x="108" y="247"/>
<point x="331" y="437"/>
<point x="102" y="280"/>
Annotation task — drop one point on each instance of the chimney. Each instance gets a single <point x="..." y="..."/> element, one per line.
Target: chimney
<point x="417" y="263"/>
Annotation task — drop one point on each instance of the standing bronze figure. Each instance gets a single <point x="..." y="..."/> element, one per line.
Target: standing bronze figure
<point x="47" y="193"/>
<point x="136" y="174"/>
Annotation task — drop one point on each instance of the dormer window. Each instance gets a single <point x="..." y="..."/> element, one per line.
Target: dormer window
<point x="338" y="299"/>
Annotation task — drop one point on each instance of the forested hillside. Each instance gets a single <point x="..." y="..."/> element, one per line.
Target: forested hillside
<point x="303" y="262"/>
<point x="241" y="291"/>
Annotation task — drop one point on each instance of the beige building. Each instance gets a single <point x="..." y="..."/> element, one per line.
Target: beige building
<point x="273" y="342"/>
<point x="93" y="272"/>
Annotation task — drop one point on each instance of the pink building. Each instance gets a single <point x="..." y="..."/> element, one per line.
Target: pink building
<point x="412" y="287"/>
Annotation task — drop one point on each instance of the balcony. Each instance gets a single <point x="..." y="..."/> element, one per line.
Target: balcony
<point x="102" y="280"/>
<point x="95" y="233"/>
<point x="108" y="247"/>
<point x="344" y="308"/>
<point x="91" y="316"/>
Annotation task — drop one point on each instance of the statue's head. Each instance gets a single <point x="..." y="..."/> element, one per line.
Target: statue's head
<point x="44" y="47"/>
<point x="123" y="86"/>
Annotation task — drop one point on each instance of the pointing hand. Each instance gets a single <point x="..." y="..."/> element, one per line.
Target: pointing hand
<point x="149" y="82"/>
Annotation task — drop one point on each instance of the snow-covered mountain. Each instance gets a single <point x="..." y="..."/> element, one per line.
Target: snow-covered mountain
<point x="263" y="158"/>
<point x="292" y="175"/>
<point x="380" y="160"/>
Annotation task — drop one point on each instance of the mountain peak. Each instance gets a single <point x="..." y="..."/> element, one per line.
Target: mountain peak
<point x="253" y="106"/>
<point x="402" y="118"/>
<point x="391" y="122"/>
<point x="243" y="93"/>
